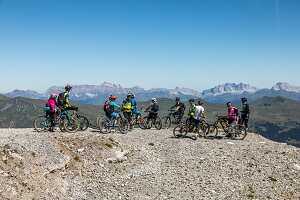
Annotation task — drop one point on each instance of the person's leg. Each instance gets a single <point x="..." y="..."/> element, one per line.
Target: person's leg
<point x="52" y="117"/>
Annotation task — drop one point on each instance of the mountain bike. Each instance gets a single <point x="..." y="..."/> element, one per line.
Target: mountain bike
<point x="235" y="130"/>
<point x="138" y="120"/>
<point x="65" y="120"/>
<point x="84" y="122"/>
<point x="189" y="126"/>
<point x="171" y="119"/>
<point x="107" y="125"/>
<point x="156" y="121"/>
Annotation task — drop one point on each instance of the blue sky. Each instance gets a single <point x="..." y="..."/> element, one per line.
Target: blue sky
<point x="151" y="43"/>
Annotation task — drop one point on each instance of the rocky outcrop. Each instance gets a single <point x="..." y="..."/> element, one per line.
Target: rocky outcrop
<point x="146" y="164"/>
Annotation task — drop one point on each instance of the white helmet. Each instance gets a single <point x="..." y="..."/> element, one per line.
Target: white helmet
<point x="153" y="99"/>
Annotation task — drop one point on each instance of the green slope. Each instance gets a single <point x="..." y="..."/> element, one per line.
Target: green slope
<point x="276" y="118"/>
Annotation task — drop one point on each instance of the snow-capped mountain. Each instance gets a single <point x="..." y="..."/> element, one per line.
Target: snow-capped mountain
<point x="97" y="94"/>
<point x="286" y="87"/>
<point x="229" y="88"/>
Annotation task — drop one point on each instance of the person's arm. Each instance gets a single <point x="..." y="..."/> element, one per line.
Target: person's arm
<point x="172" y="107"/>
<point x="247" y="109"/>
<point x="115" y="105"/>
<point x="148" y="108"/>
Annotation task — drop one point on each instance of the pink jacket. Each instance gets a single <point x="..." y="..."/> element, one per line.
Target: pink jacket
<point x="231" y="113"/>
<point x="51" y="103"/>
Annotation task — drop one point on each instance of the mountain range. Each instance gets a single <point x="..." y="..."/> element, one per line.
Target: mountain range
<point x="97" y="94"/>
<point x="276" y="118"/>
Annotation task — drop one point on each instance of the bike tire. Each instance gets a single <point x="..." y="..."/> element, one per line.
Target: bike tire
<point x="123" y="125"/>
<point x="41" y="124"/>
<point x="166" y="122"/>
<point x="72" y="124"/>
<point x="239" y="132"/>
<point x="61" y="124"/>
<point x="103" y="124"/>
<point x="180" y="130"/>
<point x="148" y="123"/>
<point x="211" y="132"/>
<point x="203" y="129"/>
<point x="141" y="123"/>
<point x="158" y="123"/>
<point x="84" y="123"/>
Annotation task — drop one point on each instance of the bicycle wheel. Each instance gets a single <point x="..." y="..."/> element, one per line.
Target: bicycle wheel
<point x="203" y="129"/>
<point x="148" y="123"/>
<point x="72" y="124"/>
<point x="211" y="132"/>
<point x="158" y="123"/>
<point x="123" y="125"/>
<point x="104" y="124"/>
<point x="61" y="124"/>
<point x="141" y="123"/>
<point x="41" y="123"/>
<point x="180" y="130"/>
<point x="239" y="132"/>
<point x="84" y="123"/>
<point x="166" y="122"/>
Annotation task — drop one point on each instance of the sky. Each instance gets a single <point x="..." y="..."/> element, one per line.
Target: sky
<point x="150" y="43"/>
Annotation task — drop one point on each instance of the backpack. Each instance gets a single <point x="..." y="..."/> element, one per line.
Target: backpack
<point x="155" y="107"/>
<point x="236" y="111"/>
<point x="61" y="99"/>
<point x="106" y="107"/>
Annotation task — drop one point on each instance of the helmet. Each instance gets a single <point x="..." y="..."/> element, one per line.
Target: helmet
<point x="153" y="99"/>
<point x="112" y="97"/>
<point x="68" y="87"/>
<point x="244" y="99"/>
<point x="177" y="99"/>
<point x="228" y="103"/>
<point x="191" y="100"/>
<point x="129" y="94"/>
<point x="132" y="95"/>
<point x="53" y="95"/>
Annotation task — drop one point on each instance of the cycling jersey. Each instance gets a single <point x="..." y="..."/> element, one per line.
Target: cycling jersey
<point x="126" y="105"/>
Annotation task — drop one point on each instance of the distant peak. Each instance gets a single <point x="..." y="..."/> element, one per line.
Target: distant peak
<point x="286" y="87"/>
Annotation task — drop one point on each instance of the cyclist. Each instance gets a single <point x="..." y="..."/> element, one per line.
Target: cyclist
<point x="135" y="111"/>
<point x="191" y="112"/>
<point x="154" y="108"/>
<point x="232" y="115"/>
<point x="199" y="113"/>
<point x="65" y="98"/>
<point x="179" y="109"/>
<point x="127" y="108"/>
<point x="51" y="110"/>
<point x="110" y="108"/>
<point x="244" y="113"/>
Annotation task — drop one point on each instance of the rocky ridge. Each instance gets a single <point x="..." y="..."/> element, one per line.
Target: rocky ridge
<point x="146" y="164"/>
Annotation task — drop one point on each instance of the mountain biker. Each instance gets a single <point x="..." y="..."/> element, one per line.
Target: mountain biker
<point x="245" y="112"/>
<point x="199" y="113"/>
<point x="135" y="111"/>
<point x="110" y="112"/>
<point x="179" y="108"/>
<point x="127" y="108"/>
<point x="231" y="115"/>
<point x="154" y="108"/>
<point x="191" y="112"/>
<point x="51" y="110"/>
<point x="66" y="105"/>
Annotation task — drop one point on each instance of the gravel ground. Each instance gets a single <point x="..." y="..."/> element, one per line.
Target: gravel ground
<point x="147" y="164"/>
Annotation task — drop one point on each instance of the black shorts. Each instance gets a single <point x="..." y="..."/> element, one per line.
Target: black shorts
<point x="127" y="116"/>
